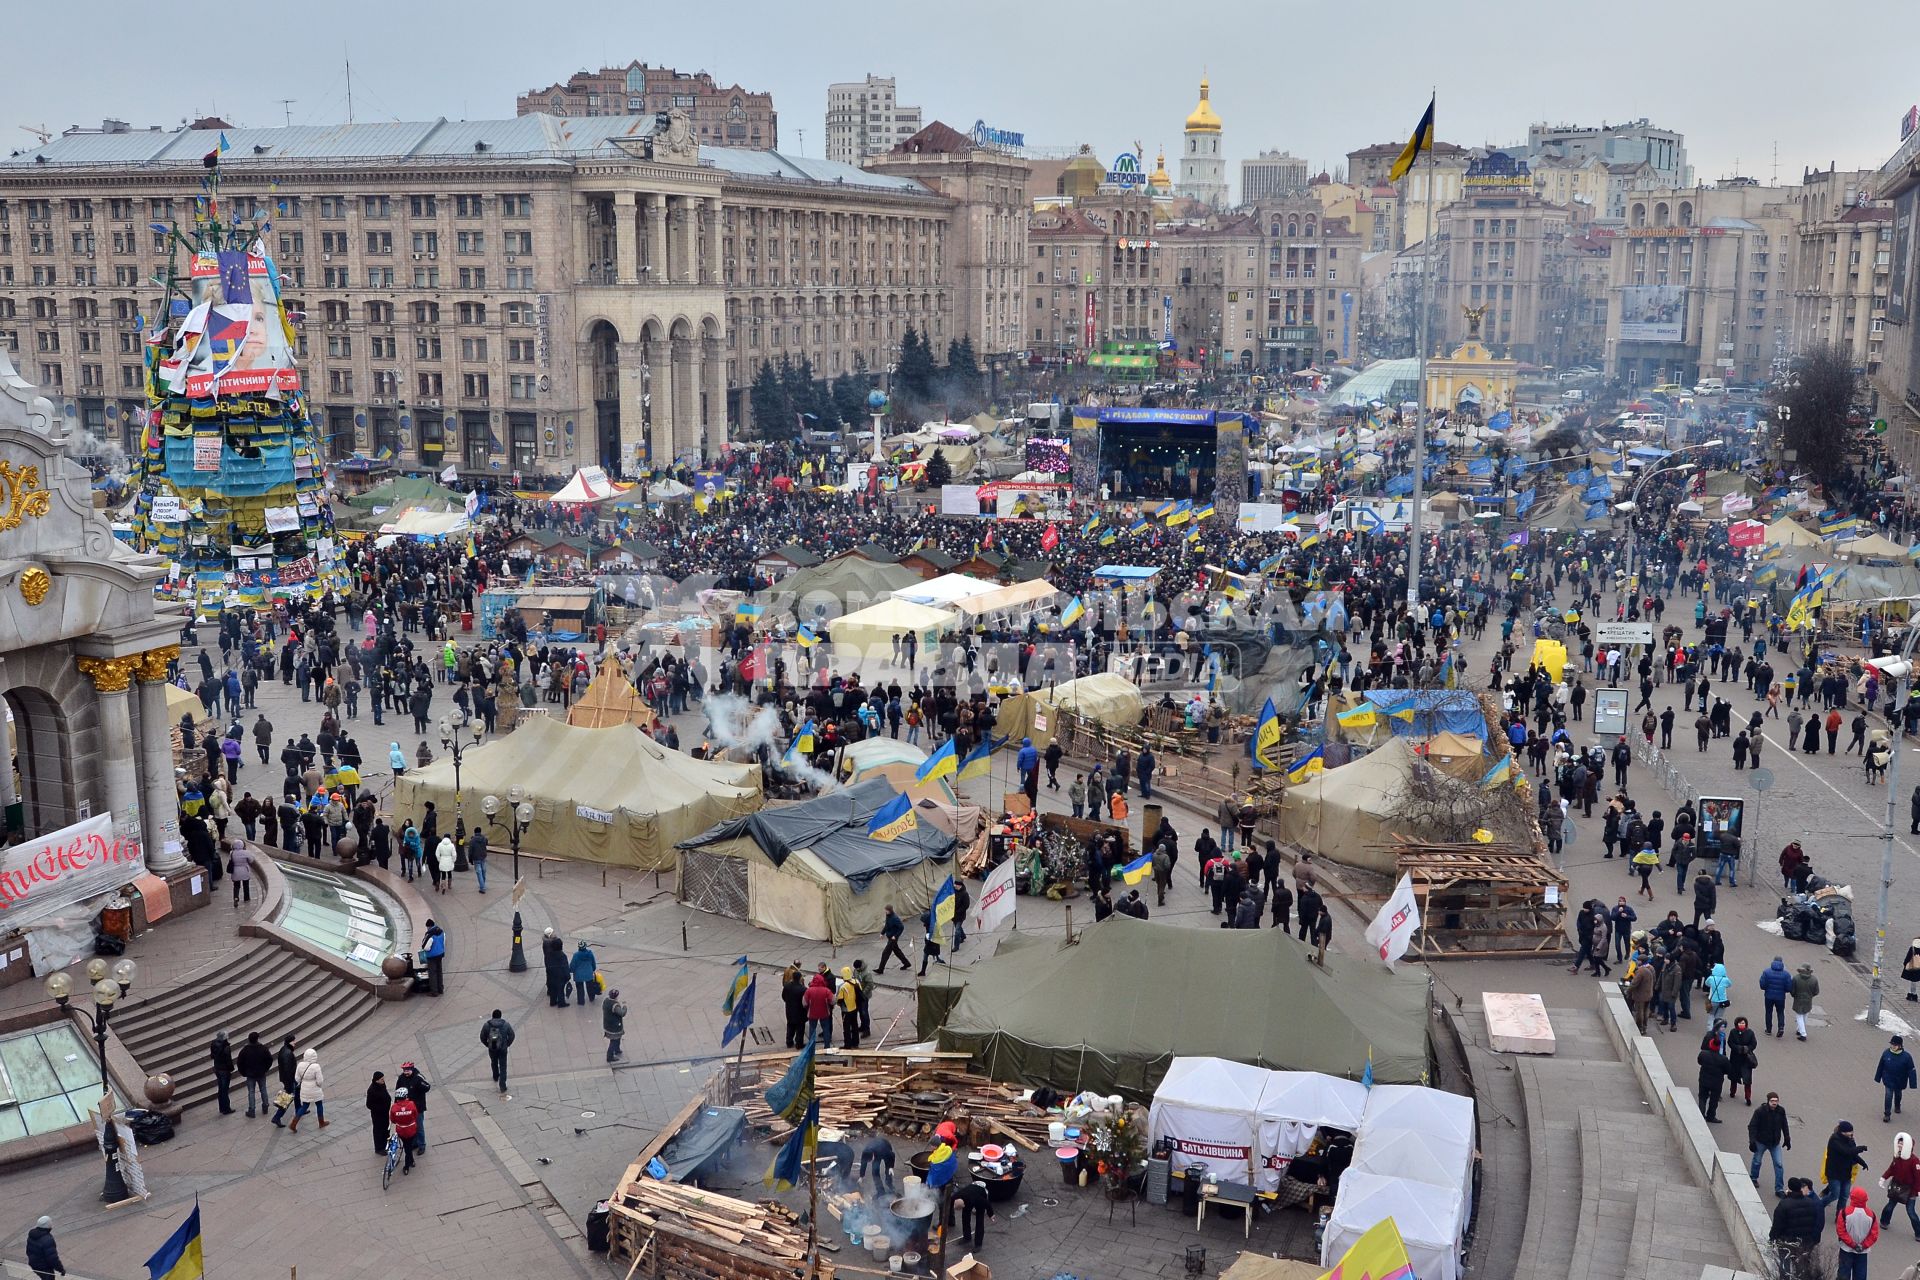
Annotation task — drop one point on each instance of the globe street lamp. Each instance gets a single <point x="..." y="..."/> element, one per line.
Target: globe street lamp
<point x="108" y="986"/>
<point x="519" y="818"/>
<point x="451" y="738"/>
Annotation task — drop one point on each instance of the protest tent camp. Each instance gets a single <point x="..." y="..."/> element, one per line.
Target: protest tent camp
<point x="1343" y="813"/>
<point x="945" y="590"/>
<point x="1017" y="602"/>
<point x="421" y="523"/>
<point x="1053" y="1014"/>
<point x="589" y="484"/>
<point x="1786" y="531"/>
<point x="843" y="585"/>
<point x="810" y="870"/>
<point x="1246" y="1123"/>
<point x="610" y="795"/>
<point x="1430" y="1220"/>
<point x="1408" y="1106"/>
<point x="1873" y="547"/>
<point x="870" y="633"/>
<point x="897" y="761"/>
<point x="1107" y="697"/>
<point x="610" y="699"/>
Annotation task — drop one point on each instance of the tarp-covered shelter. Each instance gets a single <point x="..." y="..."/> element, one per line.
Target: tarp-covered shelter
<point x="842" y="585"/>
<point x="897" y="761"/>
<point x="1244" y="1122"/>
<point x="1342" y="813"/>
<point x="609" y="795"/>
<point x="610" y="699"/>
<point x="1430" y="1220"/>
<point x="422" y="523"/>
<point x="1872" y="547"/>
<point x="810" y="870"/>
<point x="1111" y="1011"/>
<point x="402" y="492"/>
<point x="870" y="633"/>
<point x="1424" y="712"/>
<point x="1568" y="513"/>
<point x="1016" y="601"/>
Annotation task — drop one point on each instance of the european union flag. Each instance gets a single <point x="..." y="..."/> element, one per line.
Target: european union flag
<point x="742" y="1016"/>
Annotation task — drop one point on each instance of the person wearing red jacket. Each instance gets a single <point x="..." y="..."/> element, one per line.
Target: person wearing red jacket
<point x="819" y="1002"/>
<point x="405" y="1118"/>
<point x="1854" y="1230"/>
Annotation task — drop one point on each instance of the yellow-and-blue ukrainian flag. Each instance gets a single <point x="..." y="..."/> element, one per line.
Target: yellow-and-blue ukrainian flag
<point x="979" y="761"/>
<point x="1499" y="773"/>
<point x="938" y="765"/>
<point x="1264" y="746"/>
<point x="943" y="911"/>
<point x="893" y="819"/>
<point x="1137" y="870"/>
<point x="1308" y="765"/>
<point x="180" y="1258"/>
<point x="789" y="1166"/>
<point x="1364" y="716"/>
<point x="1074" y="611"/>
<point x="738" y="985"/>
<point x="806" y="636"/>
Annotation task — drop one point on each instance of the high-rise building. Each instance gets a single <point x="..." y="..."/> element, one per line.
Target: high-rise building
<point x="1272" y="174"/>
<point x="1842" y="261"/>
<point x="523" y="295"/>
<point x="1896" y="382"/>
<point x="1502" y="254"/>
<point x="721" y="115"/>
<point x="1635" y="142"/>
<point x="1203" y="170"/>
<point x="1430" y="186"/>
<point x="865" y="119"/>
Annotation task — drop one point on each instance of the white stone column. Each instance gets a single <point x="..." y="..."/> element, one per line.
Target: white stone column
<point x="626" y="238"/>
<point x="111" y="679"/>
<point x="633" y="431"/>
<point x="685" y="432"/>
<point x="716" y="273"/>
<point x="714" y="356"/>
<point x="657" y="239"/>
<point x="159" y="802"/>
<point x="686" y="266"/>
<point x="660" y="438"/>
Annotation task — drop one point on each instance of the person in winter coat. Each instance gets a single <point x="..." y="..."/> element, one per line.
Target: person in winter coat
<point x="410" y="849"/>
<point x="1719" y="990"/>
<point x="444" y="858"/>
<point x="1621" y="920"/>
<point x="582" y="967"/>
<point x="892" y="929"/>
<point x="1775" y="985"/>
<point x="497" y="1034"/>
<point x="553" y="957"/>
<point x="1843" y="1156"/>
<point x="1901" y="1179"/>
<point x="310" y="1090"/>
<point x="221" y="1054"/>
<point x="379" y="1109"/>
<point x="1910" y="970"/>
<point x="286" y="1062"/>
<point x="1895" y="1074"/>
<point x="43" y="1255"/>
<point x="254" y="1061"/>
<point x="240" y="870"/>
<point x="1028" y="765"/>
<point x="1742" y="1057"/>
<point x="793" y="994"/>
<point x="1854" y="1228"/>
<point x="613" y="1024"/>
<point x="1805" y="989"/>
<point x="1674" y="983"/>
<point x="846" y="998"/>
<point x="819" y="1001"/>
<point x="1705" y="897"/>
<point x="1640" y="992"/>
<point x="396" y="760"/>
<point x="1713" y="1062"/>
<point x="417" y="1089"/>
<point x="407" y="1123"/>
<point x="1768" y="1134"/>
<point x="1797" y="1227"/>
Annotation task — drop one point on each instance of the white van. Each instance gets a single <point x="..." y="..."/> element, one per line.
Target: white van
<point x="1710" y="387"/>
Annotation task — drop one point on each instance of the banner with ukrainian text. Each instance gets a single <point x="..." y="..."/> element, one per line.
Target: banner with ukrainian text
<point x="41" y="877"/>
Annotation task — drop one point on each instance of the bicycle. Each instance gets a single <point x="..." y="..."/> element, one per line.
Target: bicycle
<point x="393" y="1160"/>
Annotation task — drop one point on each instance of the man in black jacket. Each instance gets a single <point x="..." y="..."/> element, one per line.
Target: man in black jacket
<point x="892" y="930"/>
<point x="1768" y="1134"/>
<point x="254" y="1061"/>
<point x="222" y="1054"/>
<point x="1797" y="1223"/>
<point x="286" y="1060"/>
<point x="43" y="1255"/>
<point x="1844" y="1155"/>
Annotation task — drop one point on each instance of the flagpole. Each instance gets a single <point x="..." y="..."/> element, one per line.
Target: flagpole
<point x="1420" y="418"/>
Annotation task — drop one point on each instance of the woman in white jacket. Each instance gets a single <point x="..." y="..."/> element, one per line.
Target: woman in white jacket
<point x="444" y="856"/>
<point x="309" y="1085"/>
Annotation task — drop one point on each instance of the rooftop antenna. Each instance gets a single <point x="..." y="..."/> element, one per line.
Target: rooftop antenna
<point x="1775" y="180"/>
<point x="803" y="140"/>
<point x="286" y="108"/>
<point x="347" y="59"/>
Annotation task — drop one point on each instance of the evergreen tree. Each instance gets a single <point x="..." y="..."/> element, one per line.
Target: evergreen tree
<point x="964" y="379"/>
<point x="821" y="404"/>
<point x="850" y="397"/>
<point x="769" y="404"/>
<point x="914" y="379"/>
<point x="939" y="470"/>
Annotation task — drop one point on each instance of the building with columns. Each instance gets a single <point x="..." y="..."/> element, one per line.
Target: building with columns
<point x="83" y="654"/>
<point x="503" y="296"/>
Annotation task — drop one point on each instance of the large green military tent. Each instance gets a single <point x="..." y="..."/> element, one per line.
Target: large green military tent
<point x="1111" y="1010"/>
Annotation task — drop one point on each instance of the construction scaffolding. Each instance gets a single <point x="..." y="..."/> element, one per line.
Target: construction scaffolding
<point x="1483" y="900"/>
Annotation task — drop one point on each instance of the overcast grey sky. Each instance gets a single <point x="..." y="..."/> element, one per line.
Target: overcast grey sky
<point x="1317" y="79"/>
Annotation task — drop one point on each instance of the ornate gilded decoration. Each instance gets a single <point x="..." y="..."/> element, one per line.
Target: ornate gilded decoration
<point x="152" y="665"/>
<point x="21" y="495"/>
<point x="1474" y="316"/>
<point x="109" y="675"/>
<point x="34" y="585"/>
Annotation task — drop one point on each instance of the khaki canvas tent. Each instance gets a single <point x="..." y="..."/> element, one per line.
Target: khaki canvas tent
<point x="1111" y="1011"/>
<point x="610" y="699"/>
<point x="869" y="634"/>
<point x="1341" y="813"/>
<point x="599" y="795"/>
<point x="1872" y="547"/>
<point x="810" y="870"/>
<point x="1109" y="698"/>
<point x="832" y="590"/>
<point x="1786" y="531"/>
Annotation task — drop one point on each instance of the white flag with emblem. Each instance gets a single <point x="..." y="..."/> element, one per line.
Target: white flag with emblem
<point x="996" y="899"/>
<point x="1392" y="930"/>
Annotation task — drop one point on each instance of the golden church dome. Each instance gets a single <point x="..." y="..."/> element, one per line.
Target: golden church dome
<point x="1158" y="179"/>
<point x="1203" y="120"/>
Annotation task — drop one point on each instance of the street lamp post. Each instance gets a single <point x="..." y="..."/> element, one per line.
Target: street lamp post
<point x="109" y="985"/>
<point x="450" y="738"/>
<point x="1898" y="671"/>
<point x="519" y="818"/>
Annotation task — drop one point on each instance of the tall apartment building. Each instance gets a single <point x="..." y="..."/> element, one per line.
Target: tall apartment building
<point x="1634" y="142"/>
<point x="1896" y="381"/>
<point x="1502" y="250"/>
<point x="1701" y="284"/>
<point x="721" y="115"/>
<point x="1842" y="264"/>
<point x="1271" y="175"/>
<point x="988" y="187"/>
<point x="1444" y="167"/>
<point x="522" y="295"/>
<point x="864" y="118"/>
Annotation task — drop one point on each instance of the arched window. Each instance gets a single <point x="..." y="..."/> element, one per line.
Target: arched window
<point x="1686" y="213"/>
<point x="636" y="80"/>
<point x="1639" y="215"/>
<point x="1309" y="226"/>
<point x="1661" y="214"/>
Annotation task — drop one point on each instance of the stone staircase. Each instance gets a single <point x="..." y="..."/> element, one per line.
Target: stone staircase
<point x="1609" y="1197"/>
<point x="257" y="986"/>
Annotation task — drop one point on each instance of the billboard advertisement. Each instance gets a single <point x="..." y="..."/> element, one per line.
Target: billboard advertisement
<point x="1653" y="313"/>
<point x="1903" y="214"/>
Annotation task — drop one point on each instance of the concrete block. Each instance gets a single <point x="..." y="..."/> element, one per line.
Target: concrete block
<point x="1690" y="1130"/>
<point x="1517" y="1022"/>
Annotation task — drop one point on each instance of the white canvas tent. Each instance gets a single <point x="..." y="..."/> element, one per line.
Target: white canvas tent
<point x="1429" y="1218"/>
<point x="870" y="632"/>
<point x="946" y="589"/>
<point x="1247" y="1123"/>
<point x="1413" y="1106"/>
<point x="589" y="484"/>
<point x="420" y="523"/>
<point x="1017" y="601"/>
<point x="1417" y="1143"/>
